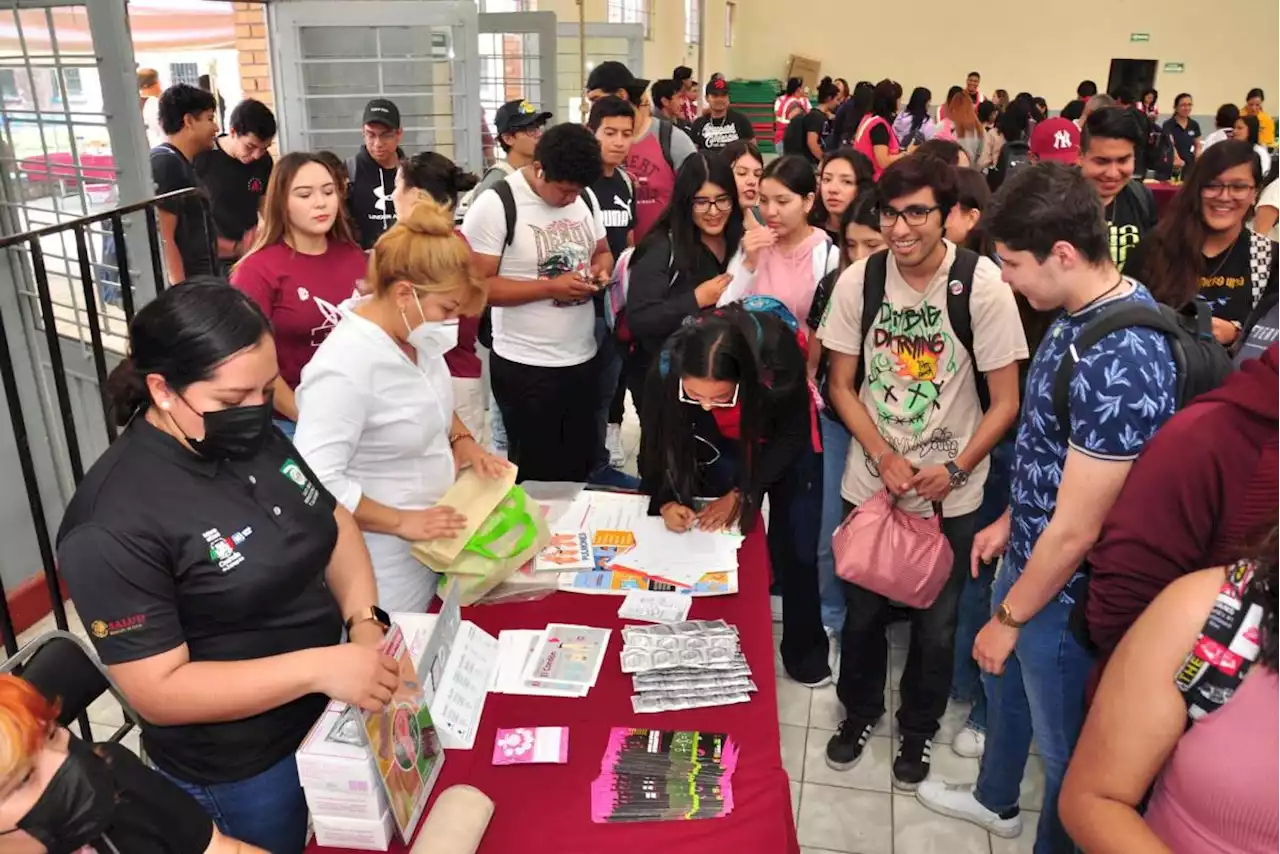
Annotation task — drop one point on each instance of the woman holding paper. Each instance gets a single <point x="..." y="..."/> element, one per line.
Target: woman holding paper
<point x="377" y="420"/>
<point x="728" y="414"/>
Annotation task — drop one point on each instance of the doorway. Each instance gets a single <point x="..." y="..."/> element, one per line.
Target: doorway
<point x="1136" y="75"/>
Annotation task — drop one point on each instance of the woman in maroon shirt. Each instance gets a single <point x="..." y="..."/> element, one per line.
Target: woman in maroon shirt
<point x="304" y="263"/>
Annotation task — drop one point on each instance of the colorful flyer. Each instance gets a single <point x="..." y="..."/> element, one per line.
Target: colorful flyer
<point x="567" y="658"/>
<point x="531" y="745"/>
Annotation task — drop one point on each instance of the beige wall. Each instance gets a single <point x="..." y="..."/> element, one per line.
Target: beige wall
<point x="1035" y="45"/>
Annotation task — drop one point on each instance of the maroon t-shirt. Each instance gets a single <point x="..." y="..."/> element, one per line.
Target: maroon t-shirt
<point x="462" y="360"/>
<point x="654" y="180"/>
<point x="300" y="294"/>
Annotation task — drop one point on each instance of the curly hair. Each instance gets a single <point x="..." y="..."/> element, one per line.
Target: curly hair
<point x="570" y="154"/>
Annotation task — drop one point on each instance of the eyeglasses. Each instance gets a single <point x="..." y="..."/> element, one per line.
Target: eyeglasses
<point x="916" y="215"/>
<point x="1234" y="191"/>
<point x="708" y="404"/>
<point x="722" y="203"/>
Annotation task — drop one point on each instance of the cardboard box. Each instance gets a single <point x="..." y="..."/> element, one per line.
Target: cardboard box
<point x="807" y="70"/>
<point x="361" y="834"/>
<point x="358" y="805"/>
<point x="327" y="765"/>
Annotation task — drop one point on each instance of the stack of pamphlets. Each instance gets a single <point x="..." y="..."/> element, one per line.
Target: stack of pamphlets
<point x="652" y="775"/>
<point x="558" y="661"/>
<point x="687" y="665"/>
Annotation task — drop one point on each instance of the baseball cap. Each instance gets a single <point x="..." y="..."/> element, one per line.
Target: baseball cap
<point x="515" y="115"/>
<point x="717" y="86"/>
<point x="380" y="111"/>
<point x="611" y="75"/>
<point x="1056" y="139"/>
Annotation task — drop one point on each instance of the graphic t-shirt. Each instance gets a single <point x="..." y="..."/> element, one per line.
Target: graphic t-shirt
<point x="1128" y="219"/>
<point x="713" y="134"/>
<point x="300" y="295"/>
<point x="548" y="241"/>
<point x="654" y="178"/>
<point x="1123" y="389"/>
<point x="234" y="189"/>
<point x="613" y="199"/>
<point x="1229" y="280"/>
<point x="920" y="388"/>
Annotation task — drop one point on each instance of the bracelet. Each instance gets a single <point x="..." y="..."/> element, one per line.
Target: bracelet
<point x="880" y="456"/>
<point x="458" y="437"/>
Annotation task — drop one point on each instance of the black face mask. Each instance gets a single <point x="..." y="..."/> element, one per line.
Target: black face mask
<point x="77" y="806"/>
<point x="237" y="433"/>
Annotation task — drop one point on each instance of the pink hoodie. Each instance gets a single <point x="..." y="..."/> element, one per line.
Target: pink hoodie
<point x="789" y="276"/>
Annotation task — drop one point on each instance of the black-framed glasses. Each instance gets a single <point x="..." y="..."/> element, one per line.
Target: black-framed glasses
<point x="915" y="215"/>
<point x="1234" y="190"/>
<point x="722" y="203"/>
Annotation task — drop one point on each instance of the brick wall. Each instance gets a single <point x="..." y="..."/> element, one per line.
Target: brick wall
<point x="251" y="42"/>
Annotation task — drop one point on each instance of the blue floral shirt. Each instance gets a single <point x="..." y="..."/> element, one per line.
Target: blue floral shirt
<point x="1122" y="391"/>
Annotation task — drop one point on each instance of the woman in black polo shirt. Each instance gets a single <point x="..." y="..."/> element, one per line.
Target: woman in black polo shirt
<point x="214" y="572"/>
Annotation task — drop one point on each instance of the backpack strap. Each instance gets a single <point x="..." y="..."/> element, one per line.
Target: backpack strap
<point x="1110" y="319"/>
<point x="589" y="196"/>
<point x="1226" y="648"/>
<point x="665" y="129"/>
<point x="1146" y="203"/>
<point x="960" y="316"/>
<point x="508" y="199"/>
<point x="1259" y="266"/>
<point x="873" y="284"/>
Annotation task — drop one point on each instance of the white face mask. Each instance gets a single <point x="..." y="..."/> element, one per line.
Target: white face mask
<point x="430" y="338"/>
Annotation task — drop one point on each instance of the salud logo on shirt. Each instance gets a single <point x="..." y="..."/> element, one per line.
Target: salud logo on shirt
<point x="294" y="472"/>
<point x="223" y="550"/>
<point x="105" y="629"/>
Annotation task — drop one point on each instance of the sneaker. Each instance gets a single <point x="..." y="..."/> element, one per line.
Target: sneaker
<point x="846" y="746"/>
<point x="958" y="802"/>
<point x="969" y="743"/>
<point x="613" y="444"/>
<point x="911" y="766"/>
<point x="614" y="479"/>
<point x="775" y="607"/>
<point x="811" y="681"/>
<point x="833" y="649"/>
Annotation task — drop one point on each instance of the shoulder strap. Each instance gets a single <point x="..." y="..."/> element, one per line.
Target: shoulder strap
<point x="626" y="179"/>
<point x="589" y="196"/>
<point x="665" y="130"/>
<point x="1259" y="265"/>
<point x="1111" y="319"/>
<point x="960" y="316"/>
<point x="1146" y="202"/>
<point x="873" y="283"/>
<point x="823" y="262"/>
<point x="503" y="189"/>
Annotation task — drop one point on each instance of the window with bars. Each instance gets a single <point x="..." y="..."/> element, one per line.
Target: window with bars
<point x="508" y="5"/>
<point x="9" y="84"/>
<point x="692" y="21"/>
<point x="184" y="72"/>
<point x="630" y="12"/>
<point x="71" y="80"/>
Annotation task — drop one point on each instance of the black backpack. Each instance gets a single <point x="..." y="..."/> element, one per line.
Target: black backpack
<point x="1013" y="155"/>
<point x="793" y="139"/>
<point x="1202" y="363"/>
<point x="958" y="313"/>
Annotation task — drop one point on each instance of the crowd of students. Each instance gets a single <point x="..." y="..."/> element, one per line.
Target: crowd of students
<point x="861" y="315"/>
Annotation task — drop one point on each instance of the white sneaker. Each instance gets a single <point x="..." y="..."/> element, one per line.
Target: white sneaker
<point x="958" y="802"/>
<point x="969" y="743"/>
<point x="833" y="650"/>
<point x="775" y="606"/>
<point x="613" y="444"/>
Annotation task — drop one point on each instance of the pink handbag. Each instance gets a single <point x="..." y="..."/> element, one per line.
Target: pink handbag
<point x="885" y="549"/>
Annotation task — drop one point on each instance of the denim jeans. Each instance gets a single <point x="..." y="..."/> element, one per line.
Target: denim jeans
<point x="835" y="451"/>
<point x="1040" y="692"/>
<point x="609" y="365"/>
<point x="268" y="810"/>
<point x="975" y="598"/>
<point x="864" y="646"/>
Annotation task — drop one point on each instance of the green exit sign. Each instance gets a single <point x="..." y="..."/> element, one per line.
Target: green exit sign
<point x="1174" y="67"/>
<point x="1139" y="37"/>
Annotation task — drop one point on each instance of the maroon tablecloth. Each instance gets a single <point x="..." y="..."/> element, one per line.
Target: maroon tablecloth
<point x="545" y="809"/>
<point x="1164" y="192"/>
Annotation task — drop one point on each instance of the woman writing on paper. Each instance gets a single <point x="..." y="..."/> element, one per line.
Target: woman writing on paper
<point x="728" y="415"/>
<point x="377" y="420"/>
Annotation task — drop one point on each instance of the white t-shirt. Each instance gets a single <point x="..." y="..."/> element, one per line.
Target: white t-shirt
<point x="1270" y="198"/>
<point x="920" y="390"/>
<point x="548" y="241"/>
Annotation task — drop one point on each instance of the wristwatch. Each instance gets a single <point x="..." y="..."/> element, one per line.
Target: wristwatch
<point x="1005" y="617"/>
<point x="372" y="614"/>
<point x="959" y="477"/>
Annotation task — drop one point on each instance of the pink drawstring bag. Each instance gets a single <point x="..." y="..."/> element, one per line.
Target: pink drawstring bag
<point x="883" y="548"/>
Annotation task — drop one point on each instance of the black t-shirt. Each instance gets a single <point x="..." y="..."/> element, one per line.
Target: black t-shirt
<point x="817" y="122"/>
<point x="234" y="189"/>
<point x="879" y="133"/>
<point x="713" y="134"/>
<point x="194" y="234"/>
<point x="160" y="548"/>
<point x="615" y="201"/>
<point x="1227" y="281"/>
<point x="152" y="815"/>
<point x="1184" y="139"/>
<point x="1131" y="214"/>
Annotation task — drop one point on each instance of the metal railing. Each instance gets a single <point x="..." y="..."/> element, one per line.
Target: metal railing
<point x="30" y="241"/>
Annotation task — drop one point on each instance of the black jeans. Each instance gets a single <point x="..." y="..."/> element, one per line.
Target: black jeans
<point x="926" y="680"/>
<point x="795" y="514"/>
<point x="550" y="417"/>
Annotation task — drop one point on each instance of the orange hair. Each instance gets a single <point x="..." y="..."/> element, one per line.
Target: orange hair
<point x="26" y="718"/>
<point x="423" y="248"/>
<point x="963" y="115"/>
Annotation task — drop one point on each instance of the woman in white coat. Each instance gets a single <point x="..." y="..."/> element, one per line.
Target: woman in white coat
<point x="376" y="412"/>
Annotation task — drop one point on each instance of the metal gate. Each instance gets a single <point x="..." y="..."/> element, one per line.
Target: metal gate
<point x="331" y="58"/>
<point x="517" y="60"/>
<point x="621" y="42"/>
<point x="72" y="144"/>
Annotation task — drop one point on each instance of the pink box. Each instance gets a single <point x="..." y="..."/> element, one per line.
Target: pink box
<point x="531" y="745"/>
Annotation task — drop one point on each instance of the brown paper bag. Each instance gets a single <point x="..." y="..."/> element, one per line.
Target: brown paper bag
<point x="474" y="497"/>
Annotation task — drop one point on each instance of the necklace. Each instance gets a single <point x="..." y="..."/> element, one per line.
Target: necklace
<point x="1226" y="256"/>
<point x="1100" y="296"/>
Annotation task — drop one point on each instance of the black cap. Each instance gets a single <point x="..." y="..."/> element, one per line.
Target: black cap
<point x="514" y="115"/>
<point x="717" y="86"/>
<point x="380" y="111"/>
<point x="610" y="76"/>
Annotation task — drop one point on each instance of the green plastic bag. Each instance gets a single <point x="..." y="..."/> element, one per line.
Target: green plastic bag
<point x="507" y="539"/>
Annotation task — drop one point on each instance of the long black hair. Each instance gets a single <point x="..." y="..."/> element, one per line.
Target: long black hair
<point x="918" y="104"/>
<point x="676" y="222"/>
<point x="756" y="350"/>
<point x="858" y="105"/>
<point x="183" y="335"/>
<point x="1266" y="583"/>
<point x="863" y="176"/>
<point x="1174" y="257"/>
<point x="437" y="176"/>
<point x="864" y="210"/>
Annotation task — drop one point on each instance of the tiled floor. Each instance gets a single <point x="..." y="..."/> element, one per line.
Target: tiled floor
<point x="859" y="811"/>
